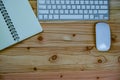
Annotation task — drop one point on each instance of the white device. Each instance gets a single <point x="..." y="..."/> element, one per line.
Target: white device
<point x="73" y="9"/>
<point x="103" y="36"/>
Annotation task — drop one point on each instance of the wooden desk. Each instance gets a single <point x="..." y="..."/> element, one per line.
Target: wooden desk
<point x="64" y="51"/>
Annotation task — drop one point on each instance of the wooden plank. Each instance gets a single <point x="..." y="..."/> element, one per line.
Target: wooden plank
<point x="77" y="35"/>
<point x="65" y="59"/>
<point x="70" y="75"/>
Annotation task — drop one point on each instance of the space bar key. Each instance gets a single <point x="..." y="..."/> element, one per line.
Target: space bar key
<point x="71" y="16"/>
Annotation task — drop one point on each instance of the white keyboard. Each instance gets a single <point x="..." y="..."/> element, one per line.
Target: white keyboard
<point x="73" y="9"/>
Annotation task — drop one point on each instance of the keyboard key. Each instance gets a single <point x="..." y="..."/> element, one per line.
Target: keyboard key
<point x="83" y="6"/>
<point x="41" y="1"/>
<point x="71" y="12"/>
<point x="42" y="7"/>
<point x="51" y="12"/>
<point x="68" y="7"/>
<point x="48" y="2"/>
<point x="76" y="11"/>
<point x="78" y="6"/>
<point x="95" y="12"/>
<point x="45" y="17"/>
<point x="85" y="11"/>
<point x="56" y="16"/>
<point x="97" y="7"/>
<point x="81" y="2"/>
<point x="66" y="12"/>
<point x="86" y="2"/>
<point x="96" y="18"/>
<point x="91" y="16"/>
<point x="96" y="2"/>
<point x="100" y="2"/>
<point x="61" y="11"/>
<point x="59" y="6"/>
<point x="71" y="17"/>
<point x="43" y="11"/>
<point x="49" y="7"/>
<point x="88" y="7"/>
<point x="90" y="11"/>
<point x="52" y="1"/>
<point x="40" y="17"/>
<point x="54" y="7"/>
<point x="62" y="2"/>
<point x="80" y="11"/>
<point x="106" y="18"/>
<point x="91" y="2"/>
<point x="57" y="2"/>
<point x="101" y="16"/>
<point x="105" y="2"/>
<point x="77" y="2"/>
<point x="86" y="16"/>
<point x="93" y="7"/>
<point x="50" y="17"/>
<point x="56" y="11"/>
<point x="67" y="1"/>
<point x="72" y="2"/>
<point x="63" y="6"/>
<point x="102" y="11"/>
<point x="73" y="7"/>
<point x="104" y="7"/>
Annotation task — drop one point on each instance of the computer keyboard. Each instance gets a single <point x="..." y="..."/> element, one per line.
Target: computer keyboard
<point x="73" y="9"/>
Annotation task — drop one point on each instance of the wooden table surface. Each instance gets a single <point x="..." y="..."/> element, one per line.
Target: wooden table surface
<point x="64" y="51"/>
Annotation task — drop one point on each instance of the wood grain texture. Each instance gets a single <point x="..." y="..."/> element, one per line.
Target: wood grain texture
<point x="69" y="75"/>
<point x="66" y="48"/>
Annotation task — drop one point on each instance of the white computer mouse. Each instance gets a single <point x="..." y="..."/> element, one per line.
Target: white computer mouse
<point x="103" y="36"/>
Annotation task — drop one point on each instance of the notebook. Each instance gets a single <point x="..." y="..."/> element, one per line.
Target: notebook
<point x="17" y="22"/>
